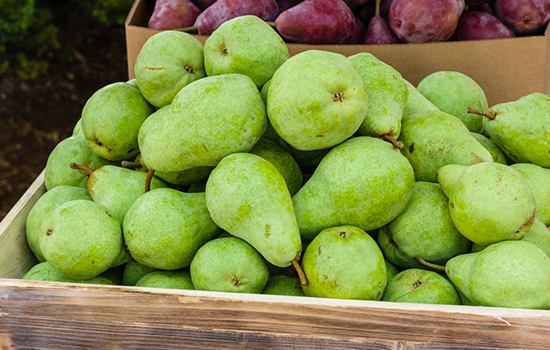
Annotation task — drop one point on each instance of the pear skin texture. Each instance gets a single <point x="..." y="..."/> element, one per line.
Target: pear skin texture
<point x="539" y="235"/>
<point x="453" y="92"/>
<point x="513" y="274"/>
<point x="116" y="188"/>
<point x="364" y="182"/>
<point x="47" y="202"/>
<point x="134" y="271"/>
<point x="45" y="271"/>
<point x="433" y="139"/>
<point x="416" y="102"/>
<point x="521" y="129"/>
<point x="284" y="285"/>
<point x="81" y="239"/>
<point x="178" y="279"/>
<point x="58" y="166"/>
<point x="421" y="286"/>
<point x="248" y="197"/>
<point x="538" y="179"/>
<point x="316" y="100"/>
<point x="386" y="93"/>
<point x="164" y="228"/>
<point x="167" y="62"/>
<point x="111" y="119"/>
<point x="208" y="119"/>
<point x="496" y="153"/>
<point x="489" y="202"/>
<point x="423" y="229"/>
<point x="245" y="45"/>
<point x="229" y="264"/>
<point x="391" y="269"/>
<point x="344" y="262"/>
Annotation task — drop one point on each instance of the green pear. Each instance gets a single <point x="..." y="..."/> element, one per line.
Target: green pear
<point x="316" y="100"/>
<point x="520" y="128"/>
<point x="305" y="159"/>
<point x="168" y="61"/>
<point x="489" y="202"/>
<point x="45" y="271"/>
<point x="453" y="92"/>
<point x="229" y="265"/>
<point x="263" y="92"/>
<point x="391" y="269"/>
<point x="134" y="271"/>
<point x="170" y="243"/>
<point x="208" y="119"/>
<point x="245" y="45"/>
<point x="46" y="203"/>
<point x="283" y="285"/>
<point x="123" y="257"/>
<point x="364" y="182"/>
<point x="432" y="139"/>
<point x="538" y="179"/>
<point x="421" y="286"/>
<point x="416" y="102"/>
<point x="179" y="279"/>
<point x="111" y="119"/>
<point x="513" y="274"/>
<point x="248" y="197"/>
<point x="344" y="262"/>
<point x="539" y="235"/>
<point x="80" y="238"/>
<point x="423" y="229"/>
<point x="387" y="96"/>
<point x="77" y="129"/>
<point x="496" y="153"/>
<point x="114" y="274"/>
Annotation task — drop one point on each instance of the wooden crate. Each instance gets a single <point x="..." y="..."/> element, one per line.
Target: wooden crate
<point x="51" y="315"/>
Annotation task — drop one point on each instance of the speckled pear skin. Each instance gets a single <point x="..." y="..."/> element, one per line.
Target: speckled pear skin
<point x="58" y="166"/>
<point x="489" y="202"/>
<point x="386" y="93"/>
<point x="433" y="139"/>
<point x="208" y="119"/>
<point x="123" y="257"/>
<point x="514" y="274"/>
<point x="134" y="271"/>
<point x="344" y="262"/>
<point x="421" y="286"/>
<point x="229" y="264"/>
<point x="116" y="188"/>
<point x="45" y="271"/>
<point x="539" y="235"/>
<point x="264" y="89"/>
<point x="364" y="182"/>
<point x="316" y="100"/>
<point x="391" y="269"/>
<point x="284" y="285"/>
<point x="496" y="153"/>
<point x="111" y="119"/>
<point x="423" y="229"/>
<point x="165" y="227"/>
<point x="179" y="279"/>
<point x="538" y="179"/>
<point x="248" y="197"/>
<point x="521" y="129"/>
<point x="46" y="203"/>
<point x="416" y="102"/>
<point x="81" y="239"/>
<point x="245" y="45"/>
<point x="168" y="61"/>
<point x="283" y="161"/>
<point x="453" y="92"/>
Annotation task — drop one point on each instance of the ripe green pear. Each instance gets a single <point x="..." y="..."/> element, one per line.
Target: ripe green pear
<point x="179" y="279"/>
<point x="283" y="285"/>
<point x="45" y="271"/>
<point x="496" y="153"/>
<point x="538" y="179"/>
<point x="316" y="100"/>
<point x="134" y="271"/>
<point x="416" y="102"/>
<point x="391" y="269"/>
<point x="539" y="235"/>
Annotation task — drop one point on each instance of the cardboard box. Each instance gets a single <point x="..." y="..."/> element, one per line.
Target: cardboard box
<point x="506" y="69"/>
<point x="53" y="315"/>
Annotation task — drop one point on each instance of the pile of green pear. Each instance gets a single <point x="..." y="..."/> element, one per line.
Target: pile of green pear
<point x="230" y="166"/>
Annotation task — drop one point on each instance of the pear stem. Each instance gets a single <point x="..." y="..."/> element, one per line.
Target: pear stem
<point x="272" y="24"/>
<point x="148" y="179"/>
<point x="301" y="274"/>
<point x="430" y="265"/>
<point x="377" y="8"/>
<point x="392" y="140"/>
<point x="488" y="114"/>
<point x="187" y="29"/>
<point x="84" y="168"/>
<point x="130" y="165"/>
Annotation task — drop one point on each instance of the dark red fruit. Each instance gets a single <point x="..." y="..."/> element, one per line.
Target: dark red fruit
<point x="523" y="16"/>
<point x="475" y="25"/>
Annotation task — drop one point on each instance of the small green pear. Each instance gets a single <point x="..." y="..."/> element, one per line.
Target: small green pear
<point x="496" y="153"/>
<point x="134" y="271"/>
<point x="539" y="235"/>
<point x="45" y="271"/>
<point x="391" y="269"/>
<point x="538" y="179"/>
<point x="283" y="285"/>
<point x="416" y="102"/>
<point x="179" y="279"/>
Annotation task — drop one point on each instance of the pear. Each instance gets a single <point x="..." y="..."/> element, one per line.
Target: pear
<point x="316" y="100"/>
<point x="80" y="238"/>
<point x="344" y="262"/>
<point x="114" y="274"/>
<point x="364" y="182"/>
<point x="433" y="139"/>
<point x="283" y="285"/>
<point x="245" y="45"/>
<point x="513" y="274"/>
<point x="229" y="264"/>
<point x="421" y="286"/>
<point x="202" y="127"/>
<point x="170" y="243"/>
<point x="387" y="96"/>
<point x="77" y="129"/>
<point x="46" y="203"/>
<point x="539" y="235"/>
<point x="111" y="119"/>
<point x="179" y="279"/>
<point x="489" y="202"/>
<point x="416" y="101"/>
<point x="248" y="197"/>
<point x="496" y="153"/>
<point x="538" y="179"/>
<point x="134" y="271"/>
<point x="45" y="271"/>
<point x="520" y="128"/>
<point x="391" y="269"/>
<point x="453" y="92"/>
<point x="168" y="61"/>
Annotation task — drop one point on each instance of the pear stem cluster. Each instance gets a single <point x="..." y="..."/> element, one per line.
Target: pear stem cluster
<point x="489" y="114"/>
